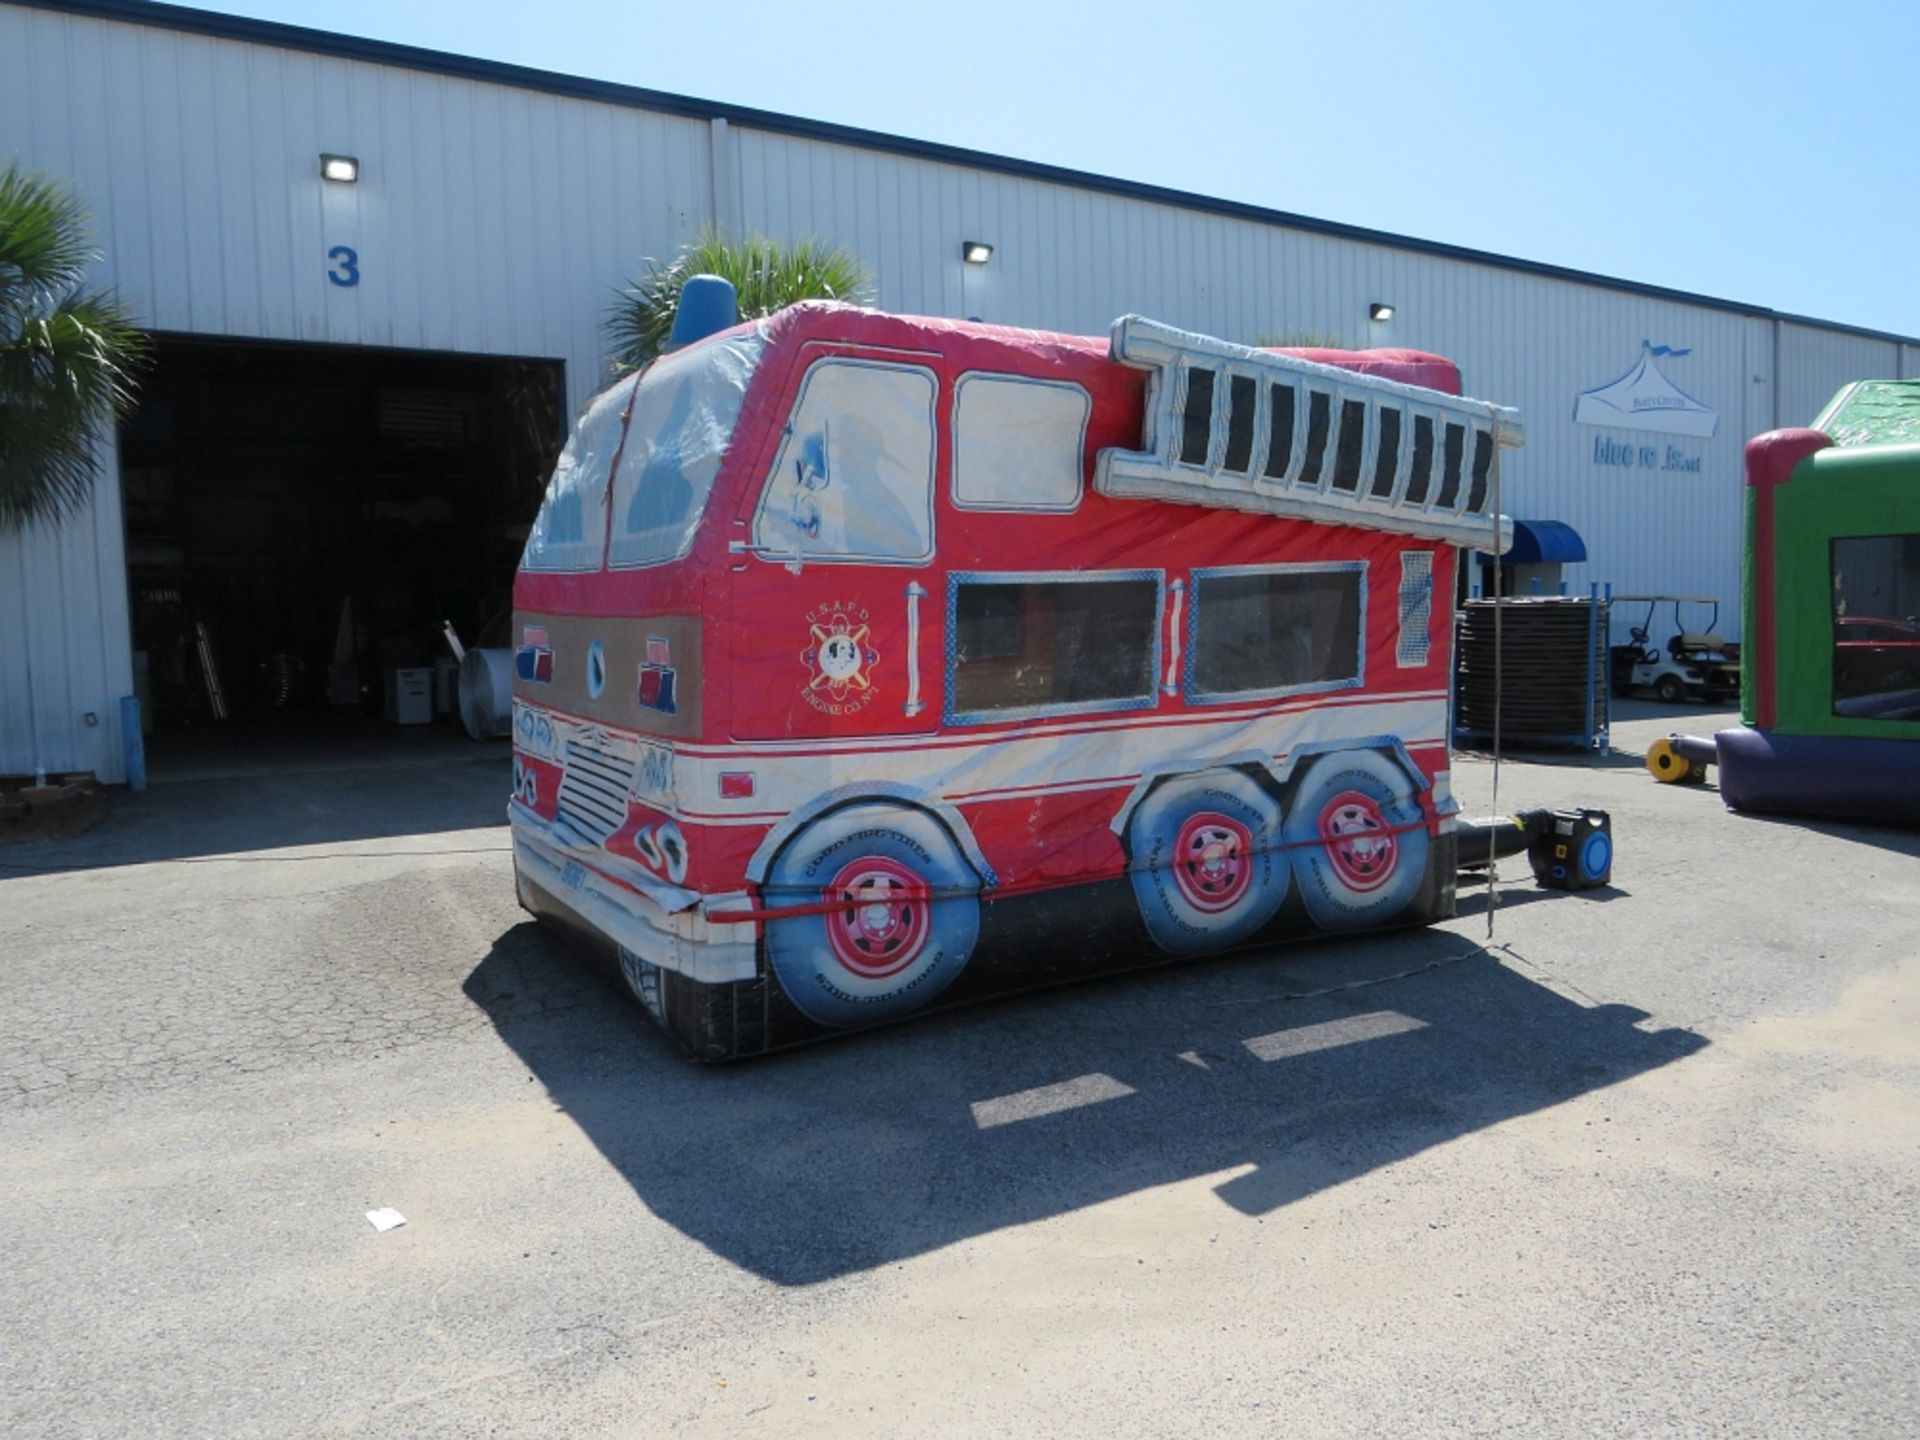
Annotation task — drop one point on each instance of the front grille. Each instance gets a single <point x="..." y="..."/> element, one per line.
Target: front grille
<point x="593" y="790"/>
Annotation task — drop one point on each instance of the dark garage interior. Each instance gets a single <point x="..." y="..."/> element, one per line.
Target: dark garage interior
<point x="302" y="519"/>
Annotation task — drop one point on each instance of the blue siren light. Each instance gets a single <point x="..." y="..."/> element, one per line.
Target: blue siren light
<point x="707" y="306"/>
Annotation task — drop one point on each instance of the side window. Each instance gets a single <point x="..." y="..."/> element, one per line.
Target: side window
<point x="1029" y="645"/>
<point x="854" y="476"/>
<point x="570" y="531"/>
<point x="1276" y="630"/>
<point x="1876" y="627"/>
<point x="1018" y="444"/>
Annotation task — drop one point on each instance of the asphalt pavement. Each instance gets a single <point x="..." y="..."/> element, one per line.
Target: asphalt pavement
<point x="1643" y="1161"/>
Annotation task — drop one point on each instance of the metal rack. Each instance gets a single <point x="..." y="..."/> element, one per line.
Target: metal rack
<point x="1553" y="669"/>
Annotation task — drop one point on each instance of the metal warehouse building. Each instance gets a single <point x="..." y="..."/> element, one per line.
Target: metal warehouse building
<point x="357" y="384"/>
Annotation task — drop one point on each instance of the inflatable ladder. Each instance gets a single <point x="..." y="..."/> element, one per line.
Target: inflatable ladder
<point x="1246" y="429"/>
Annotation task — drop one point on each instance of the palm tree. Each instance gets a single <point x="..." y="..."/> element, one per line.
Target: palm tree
<point x="69" y="358"/>
<point x="766" y="275"/>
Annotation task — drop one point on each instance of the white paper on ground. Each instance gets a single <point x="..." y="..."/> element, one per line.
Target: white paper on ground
<point x="385" y="1218"/>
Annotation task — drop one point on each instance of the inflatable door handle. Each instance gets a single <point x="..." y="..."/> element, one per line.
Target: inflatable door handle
<point x="1170" y="685"/>
<point x="915" y="594"/>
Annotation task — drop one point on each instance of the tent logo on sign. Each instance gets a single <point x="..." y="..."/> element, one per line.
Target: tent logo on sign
<point x="1645" y="399"/>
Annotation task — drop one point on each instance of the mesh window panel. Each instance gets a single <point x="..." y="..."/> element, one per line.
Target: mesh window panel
<point x="1243" y="396"/>
<point x="1876" y="639"/>
<point x="1415" y="639"/>
<point x="1287" y="630"/>
<point x="1196" y="421"/>
<point x="1454" y="447"/>
<point x="996" y="616"/>
<point x="1353" y="439"/>
<point x="1386" y="464"/>
<point x="1420" y="472"/>
<point x="1280" y="436"/>
<point x="1041" y="644"/>
<point x="1482" y="468"/>
<point x="1319" y="407"/>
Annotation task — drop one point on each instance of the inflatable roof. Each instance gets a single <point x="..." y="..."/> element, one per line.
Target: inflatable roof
<point x="1873" y="412"/>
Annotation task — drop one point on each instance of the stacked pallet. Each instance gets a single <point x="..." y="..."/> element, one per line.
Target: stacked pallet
<point x="1553" y="671"/>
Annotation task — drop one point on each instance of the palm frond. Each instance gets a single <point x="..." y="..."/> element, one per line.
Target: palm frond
<point x="69" y="359"/>
<point x="43" y="243"/>
<point x="1301" y="340"/>
<point x="766" y="275"/>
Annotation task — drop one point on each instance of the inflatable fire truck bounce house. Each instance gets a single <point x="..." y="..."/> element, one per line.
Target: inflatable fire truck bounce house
<point x="1830" y="688"/>
<point x="867" y="663"/>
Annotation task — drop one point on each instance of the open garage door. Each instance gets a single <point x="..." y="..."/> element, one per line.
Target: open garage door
<point x="301" y="520"/>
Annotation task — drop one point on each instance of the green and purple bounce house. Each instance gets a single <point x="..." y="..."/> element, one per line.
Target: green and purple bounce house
<point x="1830" y="688"/>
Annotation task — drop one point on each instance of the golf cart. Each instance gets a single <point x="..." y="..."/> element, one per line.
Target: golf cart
<point x="1695" y="665"/>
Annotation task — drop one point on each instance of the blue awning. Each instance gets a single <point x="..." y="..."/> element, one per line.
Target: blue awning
<point x="1548" y="542"/>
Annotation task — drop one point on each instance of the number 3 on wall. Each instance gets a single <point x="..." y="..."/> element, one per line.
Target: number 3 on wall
<point x="345" y="269"/>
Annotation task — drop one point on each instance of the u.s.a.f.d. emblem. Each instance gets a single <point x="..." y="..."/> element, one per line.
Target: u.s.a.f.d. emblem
<point x="839" y="660"/>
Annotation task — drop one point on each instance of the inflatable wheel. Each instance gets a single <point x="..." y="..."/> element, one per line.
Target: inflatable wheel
<point x="1668" y="765"/>
<point x="1205" y="861"/>
<point x="1670" y="690"/>
<point x="1358" y="839"/>
<point x="643" y="979"/>
<point x="906" y="914"/>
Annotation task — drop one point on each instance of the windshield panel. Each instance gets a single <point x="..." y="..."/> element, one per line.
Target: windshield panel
<point x="683" y="416"/>
<point x="570" y="531"/>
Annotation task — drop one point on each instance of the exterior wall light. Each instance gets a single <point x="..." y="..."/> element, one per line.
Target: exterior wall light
<point x="1378" y="311"/>
<point x="976" y="252"/>
<point x="341" y="169"/>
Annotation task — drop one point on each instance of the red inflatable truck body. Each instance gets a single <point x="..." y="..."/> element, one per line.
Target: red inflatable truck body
<point x="867" y="663"/>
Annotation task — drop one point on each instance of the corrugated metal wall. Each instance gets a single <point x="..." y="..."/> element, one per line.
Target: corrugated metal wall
<point x="493" y="219"/>
<point x="1066" y="259"/>
<point x="1814" y="363"/>
<point x="488" y="219"/>
<point x="65" y="650"/>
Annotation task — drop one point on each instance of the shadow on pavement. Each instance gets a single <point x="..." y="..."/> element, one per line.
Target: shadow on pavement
<point x="1900" y="841"/>
<point x="1473" y="895"/>
<point x="1881" y="837"/>
<point x="355" y="794"/>
<point x="822" y="1162"/>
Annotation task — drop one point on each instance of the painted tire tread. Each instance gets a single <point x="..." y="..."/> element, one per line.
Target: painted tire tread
<point x="866" y="962"/>
<point x="1204" y="860"/>
<point x="1357" y="839"/>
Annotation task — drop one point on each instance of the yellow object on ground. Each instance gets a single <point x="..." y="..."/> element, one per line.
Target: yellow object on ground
<point x="1666" y="764"/>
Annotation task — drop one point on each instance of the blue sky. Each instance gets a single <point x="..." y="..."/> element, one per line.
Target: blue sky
<point x="1755" y="151"/>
